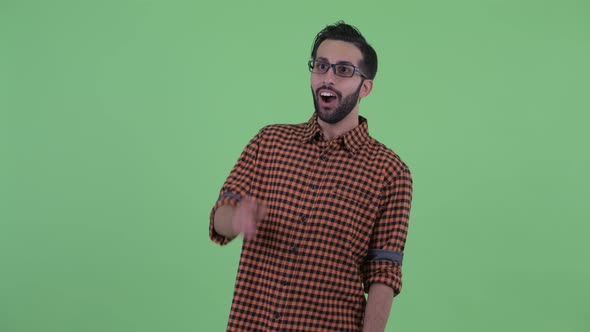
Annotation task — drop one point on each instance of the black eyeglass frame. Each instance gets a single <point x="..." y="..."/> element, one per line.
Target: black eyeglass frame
<point x="311" y="66"/>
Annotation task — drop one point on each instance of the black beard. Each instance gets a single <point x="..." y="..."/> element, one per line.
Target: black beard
<point x="345" y="107"/>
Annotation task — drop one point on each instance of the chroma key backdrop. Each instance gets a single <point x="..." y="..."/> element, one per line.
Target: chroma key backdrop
<point x="120" y="120"/>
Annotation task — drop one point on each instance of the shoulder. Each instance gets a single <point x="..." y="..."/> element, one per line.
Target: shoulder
<point x="284" y="131"/>
<point x="387" y="160"/>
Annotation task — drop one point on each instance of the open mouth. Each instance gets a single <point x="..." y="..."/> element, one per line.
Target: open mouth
<point x="327" y="98"/>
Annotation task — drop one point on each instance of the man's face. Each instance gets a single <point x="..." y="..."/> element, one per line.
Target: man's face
<point x="335" y="96"/>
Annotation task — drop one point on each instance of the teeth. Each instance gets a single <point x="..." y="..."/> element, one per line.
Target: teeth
<point x="327" y="94"/>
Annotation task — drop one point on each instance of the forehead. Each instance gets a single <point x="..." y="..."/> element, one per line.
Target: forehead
<point x="339" y="51"/>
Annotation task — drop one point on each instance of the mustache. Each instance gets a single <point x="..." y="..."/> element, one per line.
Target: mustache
<point x="326" y="87"/>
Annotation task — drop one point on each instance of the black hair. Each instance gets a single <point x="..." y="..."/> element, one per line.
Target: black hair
<point x="348" y="33"/>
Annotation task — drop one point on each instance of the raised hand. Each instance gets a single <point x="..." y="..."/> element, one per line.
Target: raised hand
<point x="246" y="217"/>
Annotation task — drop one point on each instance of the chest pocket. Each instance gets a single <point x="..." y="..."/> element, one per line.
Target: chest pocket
<point x="354" y="210"/>
<point x="360" y="198"/>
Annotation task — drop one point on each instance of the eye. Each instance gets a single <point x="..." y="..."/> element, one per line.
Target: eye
<point x="344" y="69"/>
<point x="322" y="65"/>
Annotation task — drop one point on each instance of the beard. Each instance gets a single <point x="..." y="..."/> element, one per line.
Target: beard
<point x="341" y="111"/>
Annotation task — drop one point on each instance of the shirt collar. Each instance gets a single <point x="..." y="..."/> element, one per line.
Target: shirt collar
<point x="352" y="140"/>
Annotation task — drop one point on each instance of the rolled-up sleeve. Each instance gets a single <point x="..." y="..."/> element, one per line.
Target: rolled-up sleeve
<point x="237" y="184"/>
<point x="384" y="260"/>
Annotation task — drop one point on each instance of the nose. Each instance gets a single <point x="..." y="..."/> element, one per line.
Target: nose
<point x="329" y="76"/>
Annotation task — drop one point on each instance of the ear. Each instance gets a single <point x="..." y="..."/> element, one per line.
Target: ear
<point x="366" y="88"/>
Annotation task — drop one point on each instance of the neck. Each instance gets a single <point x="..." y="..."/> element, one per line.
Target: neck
<point x="331" y="130"/>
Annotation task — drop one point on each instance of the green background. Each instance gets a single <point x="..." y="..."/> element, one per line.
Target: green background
<point x="119" y="121"/>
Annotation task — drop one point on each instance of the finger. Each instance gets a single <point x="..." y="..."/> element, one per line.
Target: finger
<point x="261" y="211"/>
<point x="250" y="234"/>
<point x="249" y="213"/>
<point x="251" y="225"/>
<point x="250" y="228"/>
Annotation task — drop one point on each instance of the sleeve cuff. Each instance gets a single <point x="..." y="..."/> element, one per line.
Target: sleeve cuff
<point x="382" y="271"/>
<point x="385" y="255"/>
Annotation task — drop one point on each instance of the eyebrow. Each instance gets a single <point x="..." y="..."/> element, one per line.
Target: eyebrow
<point x="341" y="62"/>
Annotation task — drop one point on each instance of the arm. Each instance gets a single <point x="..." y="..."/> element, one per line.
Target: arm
<point x="381" y="270"/>
<point x="235" y="211"/>
<point x="378" y="307"/>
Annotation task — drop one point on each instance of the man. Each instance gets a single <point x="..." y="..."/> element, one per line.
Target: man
<point x="322" y="206"/>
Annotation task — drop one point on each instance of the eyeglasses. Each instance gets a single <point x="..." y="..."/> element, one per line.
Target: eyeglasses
<point x="322" y="67"/>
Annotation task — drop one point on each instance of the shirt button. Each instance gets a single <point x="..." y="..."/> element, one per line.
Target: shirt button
<point x="293" y="250"/>
<point x="284" y="283"/>
<point x="277" y="315"/>
<point x="324" y="158"/>
<point x="303" y="219"/>
<point x="313" y="186"/>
